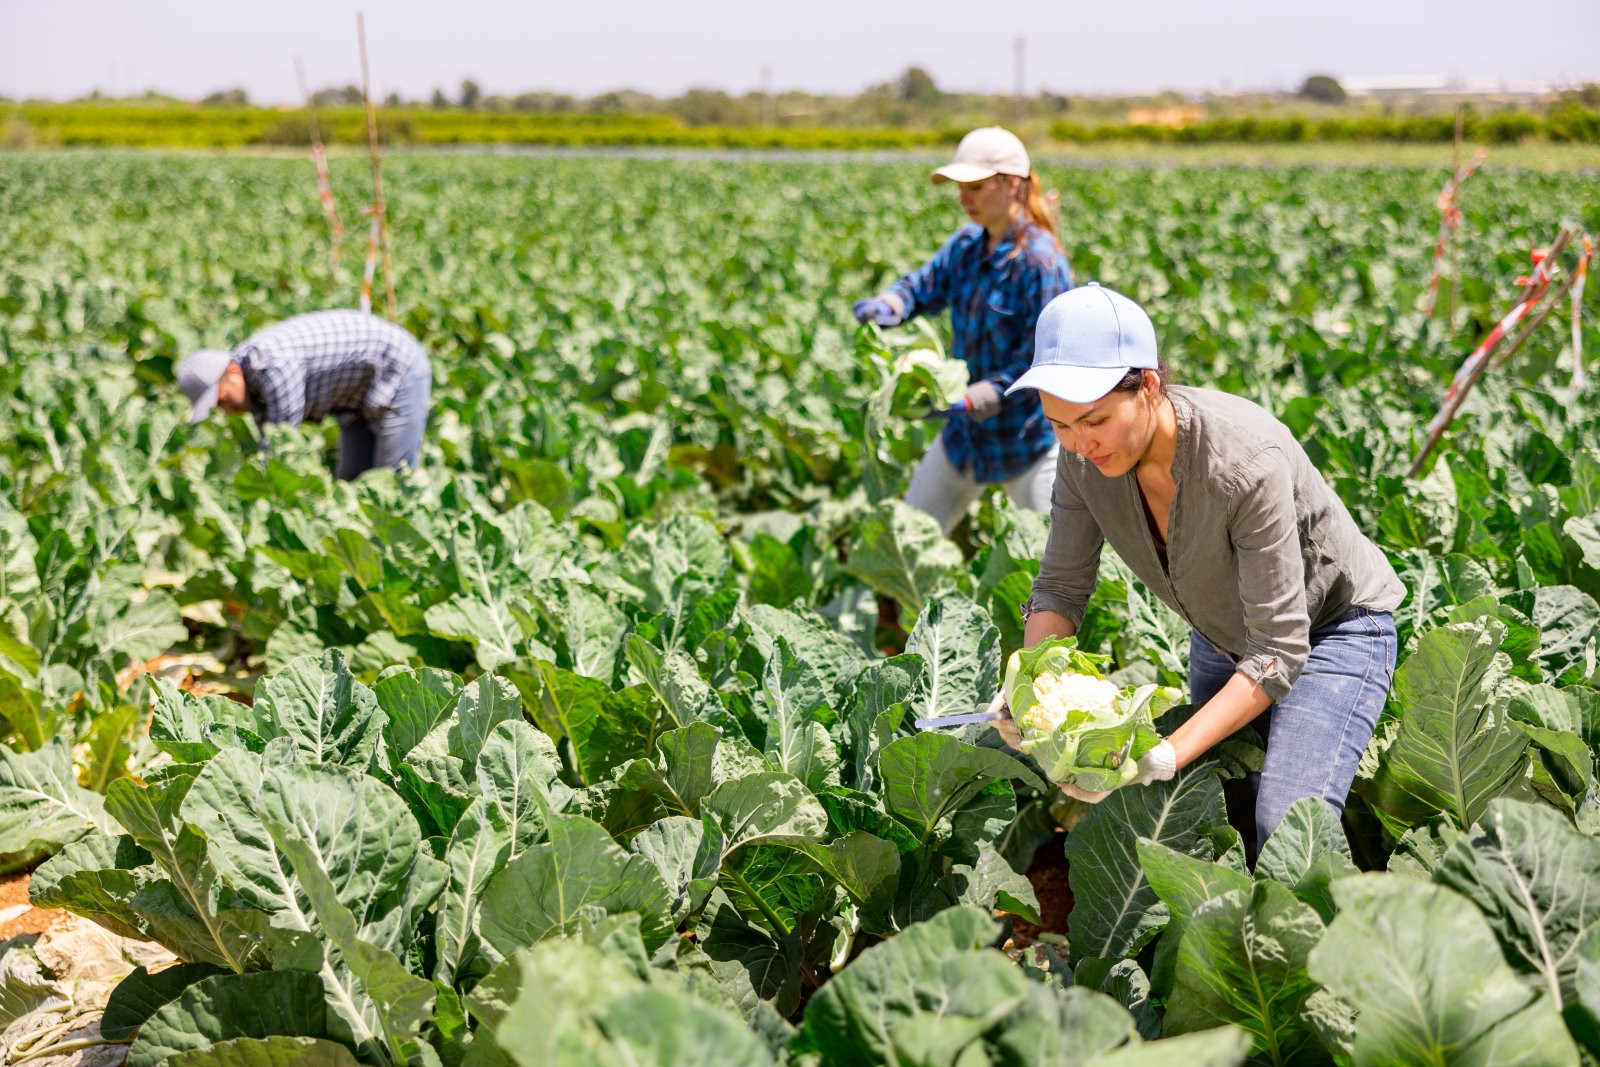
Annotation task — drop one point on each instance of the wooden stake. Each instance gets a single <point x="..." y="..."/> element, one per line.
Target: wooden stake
<point x="379" y="206"/>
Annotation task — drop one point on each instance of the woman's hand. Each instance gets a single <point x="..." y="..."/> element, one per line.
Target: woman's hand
<point x="1157" y="765"/>
<point x="983" y="400"/>
<point x="1006" y="725"/>
<point x="883" y="310"/>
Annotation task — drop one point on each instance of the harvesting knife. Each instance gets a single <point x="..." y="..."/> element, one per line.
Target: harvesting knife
<point x="961" y="407"/>
<point x="959" y="720"/>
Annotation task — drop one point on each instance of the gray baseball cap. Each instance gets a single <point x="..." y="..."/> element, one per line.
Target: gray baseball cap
<point x="1086" y="340"/>
<point x="198" y="376"/>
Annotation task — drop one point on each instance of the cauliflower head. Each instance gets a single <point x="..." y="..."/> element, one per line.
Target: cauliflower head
<point x="1083" y="729"/>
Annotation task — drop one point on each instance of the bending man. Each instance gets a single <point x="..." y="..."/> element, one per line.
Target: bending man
<point x="367" y="372"/>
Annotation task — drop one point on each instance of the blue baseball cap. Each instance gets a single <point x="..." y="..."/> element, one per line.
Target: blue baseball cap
<point x="1086" y="340"/>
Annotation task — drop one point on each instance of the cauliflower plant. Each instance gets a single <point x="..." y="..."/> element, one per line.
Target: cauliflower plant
<point x="1083" y="729"/>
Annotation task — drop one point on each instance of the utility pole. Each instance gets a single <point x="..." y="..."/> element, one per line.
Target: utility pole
<point x="1020" y="58"/>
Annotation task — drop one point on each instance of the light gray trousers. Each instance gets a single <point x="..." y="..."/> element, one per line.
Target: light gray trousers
<point x="945" y="492"/>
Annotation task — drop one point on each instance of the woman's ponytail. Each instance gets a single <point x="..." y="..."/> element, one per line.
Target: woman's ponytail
<point x="1037" y="205"/>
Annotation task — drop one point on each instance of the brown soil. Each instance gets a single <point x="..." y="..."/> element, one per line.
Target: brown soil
<point x="13" y="893"/>
<point x="1048" y="874"/>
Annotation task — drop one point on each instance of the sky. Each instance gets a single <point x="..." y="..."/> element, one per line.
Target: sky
<point x="64" y="48"/>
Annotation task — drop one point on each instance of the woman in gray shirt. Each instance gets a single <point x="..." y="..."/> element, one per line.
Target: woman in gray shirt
<point x="1212" y="502"/>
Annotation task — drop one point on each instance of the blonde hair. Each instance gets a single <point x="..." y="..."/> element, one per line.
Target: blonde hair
<point x="1037" y="207"/>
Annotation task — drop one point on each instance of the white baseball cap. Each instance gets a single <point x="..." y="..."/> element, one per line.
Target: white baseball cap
<point x="986" y="151"/>
<point x="1087" y="339"/>
<point x="198" y="376"/>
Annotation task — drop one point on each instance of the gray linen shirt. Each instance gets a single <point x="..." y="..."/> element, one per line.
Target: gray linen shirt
<point x="1261" y="551"/>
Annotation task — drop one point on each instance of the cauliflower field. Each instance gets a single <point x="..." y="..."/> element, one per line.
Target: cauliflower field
<point x="582" y="743"/>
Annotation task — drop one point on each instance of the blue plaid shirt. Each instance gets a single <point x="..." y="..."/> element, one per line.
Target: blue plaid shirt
<point x="994" y="301"/>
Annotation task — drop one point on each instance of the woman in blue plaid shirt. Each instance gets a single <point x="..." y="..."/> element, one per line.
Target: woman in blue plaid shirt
<point x="995" y="274"/>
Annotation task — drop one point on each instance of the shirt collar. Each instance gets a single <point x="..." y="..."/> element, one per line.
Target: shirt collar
<point x="1006" y="249"/>
<point x="1184" y="448"/>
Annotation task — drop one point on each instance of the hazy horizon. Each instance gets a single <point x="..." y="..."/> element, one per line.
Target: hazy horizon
<point x="186" y="48"/>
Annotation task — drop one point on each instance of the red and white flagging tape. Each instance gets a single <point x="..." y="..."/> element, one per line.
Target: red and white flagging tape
<point x="1449" y="220"/>
<point x="1579" y="377"/>
<point x="372" y="261"/>
<point x="325" y="194"/>
<point x="1537" y="283"/>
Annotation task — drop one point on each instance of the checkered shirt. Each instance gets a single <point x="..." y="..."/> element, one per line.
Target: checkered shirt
<point x="994" y="301"/>
<point x="327" y="362"/>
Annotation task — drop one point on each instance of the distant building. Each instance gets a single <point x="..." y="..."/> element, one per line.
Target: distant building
<point x="1173" y="117"/>
<point x="1411" y="85"/>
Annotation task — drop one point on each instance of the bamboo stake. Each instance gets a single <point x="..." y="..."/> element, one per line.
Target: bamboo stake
<point x="379" y="205"/>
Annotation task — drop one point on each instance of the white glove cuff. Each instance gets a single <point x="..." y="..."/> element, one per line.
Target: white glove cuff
<point x="1160" y="763"/>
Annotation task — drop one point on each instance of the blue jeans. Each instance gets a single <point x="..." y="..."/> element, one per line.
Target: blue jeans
<point x="392" y="439"/>
<point x="1316" y="734"/>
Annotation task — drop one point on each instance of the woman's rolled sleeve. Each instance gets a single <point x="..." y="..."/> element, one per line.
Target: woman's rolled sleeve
<point x="1070" y="566"/>
<point x="1272" y="579"/>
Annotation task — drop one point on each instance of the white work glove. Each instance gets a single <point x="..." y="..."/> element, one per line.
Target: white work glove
<point x="983" y="400"/>
<point x="1157" y="765"/>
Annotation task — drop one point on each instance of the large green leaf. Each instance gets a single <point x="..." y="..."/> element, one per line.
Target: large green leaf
<point x="545" y="891"/>
<point x="961" y="650"/>
<point x="277" y="1051"/>
<point x="519" y="779"/>
<point x="854" y="1016"/>
<point x="1242" y="960"/>
<point x="901" y="552"/>
<point x="604" y="728"/>
<point x="478" y="850"/>
<point x="1115" y="911"/>
<point x="230" y="1006"/>
<point x="797" y="706"/>
<point x="482" y="705"/>
<point x="366" y="839"/>
<point x="317" y="703"/>
<point x="685" y="768"/>
<point x="1428" y="982"/>
<point x="765" y="807"/>
<point x="1183" y="882"/>
<point x="31" y="719"/>
<point x="686" y="858"/>
<point x="562" y="1003"/>
<point x="1452" y="753"/>
<point x="930" y="776"/>
<point x="141" y="995"/>
<point x="42" y="806"/>
<point x="180" y="909"/>
<point x="394" y="1005"/>
<point x="676" y="682"/>
<point x="1307" y="852"/>
<point x="1226" y="1046"/>
<point x="1534" y="878"/>
<point x="835" y="659"/>
<point x="413" y="702"/>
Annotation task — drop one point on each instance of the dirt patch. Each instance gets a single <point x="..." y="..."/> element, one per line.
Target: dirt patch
<point x="1048" y="874"/>
<point x="27" y="920"/>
